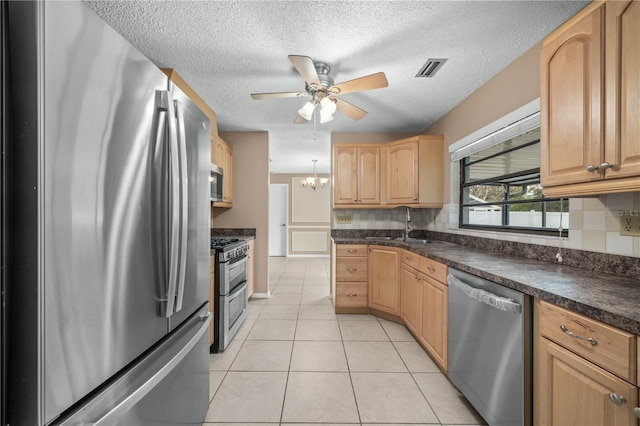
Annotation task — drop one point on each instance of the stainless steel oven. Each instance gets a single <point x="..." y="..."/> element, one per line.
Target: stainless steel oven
<point x="230" y="304"/>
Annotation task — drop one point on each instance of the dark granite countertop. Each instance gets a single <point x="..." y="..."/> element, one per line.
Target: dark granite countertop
<point x="609" y="298"/>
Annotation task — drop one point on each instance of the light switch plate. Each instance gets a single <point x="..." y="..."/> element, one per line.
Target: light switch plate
<point x="630" y="225"/>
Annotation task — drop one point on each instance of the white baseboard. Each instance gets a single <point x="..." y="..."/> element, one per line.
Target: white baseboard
<point x="309" y="255"/>
<point x="261" y="295"/>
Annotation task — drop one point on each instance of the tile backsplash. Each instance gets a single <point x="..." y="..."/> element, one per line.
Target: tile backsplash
<point x="594" y="224"/>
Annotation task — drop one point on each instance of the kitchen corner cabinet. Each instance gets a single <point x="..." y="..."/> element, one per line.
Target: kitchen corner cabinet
<point x="251" y="276"/>
<point x="356" y="176"/>
<point x="350" y="278"/>
<point x="580" y="382"/>
<point x="384" y="279"/>
<point x="590" y="84"/>
<point x="415" y="172"/>
<point x="223" y="157"/>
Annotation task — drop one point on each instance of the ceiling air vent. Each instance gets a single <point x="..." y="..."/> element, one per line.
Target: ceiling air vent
<point x="430" y="67"/>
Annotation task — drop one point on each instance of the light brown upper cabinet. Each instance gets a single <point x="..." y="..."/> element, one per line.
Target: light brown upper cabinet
<point x="356" y="176"/>
<point x="406" y="172"/>
<point x="415" y="172"/>
<point x="223" y="157"/>
<point x="403" y="172"/>
<point x="590" y="86"/>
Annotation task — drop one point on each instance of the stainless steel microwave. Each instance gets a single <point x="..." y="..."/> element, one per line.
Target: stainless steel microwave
<point x="216" y="183"/>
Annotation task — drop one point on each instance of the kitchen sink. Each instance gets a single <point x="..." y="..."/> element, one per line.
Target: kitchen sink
<point x="378" y="238"/>
<point x="415" y="240"/>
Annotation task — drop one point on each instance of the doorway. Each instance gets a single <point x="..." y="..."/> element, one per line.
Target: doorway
<point x="278" y="218"/>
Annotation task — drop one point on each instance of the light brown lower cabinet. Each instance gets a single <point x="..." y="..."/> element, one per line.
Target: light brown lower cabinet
<point x="411" y="310"/>
<point x="424" y="305"/>
<point x="573" y="391"/>
<point x="434" y="319"/>
<point x="349" y="278"/>
<point x="585" y="371"/>
<point x="384" y="279"/>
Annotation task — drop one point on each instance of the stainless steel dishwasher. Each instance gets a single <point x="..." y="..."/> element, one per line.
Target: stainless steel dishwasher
<point x="489" y="342"/>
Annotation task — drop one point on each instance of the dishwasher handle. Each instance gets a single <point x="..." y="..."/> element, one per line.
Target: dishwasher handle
<point x="497" y="302"/>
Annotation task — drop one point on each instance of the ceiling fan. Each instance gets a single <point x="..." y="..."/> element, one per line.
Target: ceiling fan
<point x="319" y="86"/>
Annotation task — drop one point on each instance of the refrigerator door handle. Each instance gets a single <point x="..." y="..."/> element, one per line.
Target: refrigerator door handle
<point x="184" y="204"/>
<point x="179" y="350"/>
<point x="174" y="209"/>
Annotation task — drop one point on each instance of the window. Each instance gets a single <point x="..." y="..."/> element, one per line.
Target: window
<point x="500" y="189"/>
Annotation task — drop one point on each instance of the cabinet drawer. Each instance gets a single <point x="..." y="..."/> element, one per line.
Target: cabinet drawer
<point x="435" y="270"/>
<point x="411" y="259"/>
<point x="610" y="348"/>
<point x="351" y="295"/>
<point x="351" y="269"/>
<point x="348" y="250"/>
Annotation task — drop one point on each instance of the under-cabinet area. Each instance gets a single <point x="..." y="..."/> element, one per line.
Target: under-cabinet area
<point x="579" y="364"/>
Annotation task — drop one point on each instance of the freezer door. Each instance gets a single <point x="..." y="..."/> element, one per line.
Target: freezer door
<point x="169" y="386"/>
<point x="193" y="134"/>
<point x="97" y="280"/>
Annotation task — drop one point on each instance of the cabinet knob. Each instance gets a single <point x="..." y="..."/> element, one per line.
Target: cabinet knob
<point x="351" y="294"/>
<point x="617" y="399"/>
<point x="415" y="198"/>
<point x="591" y="168"/>
<point x="605" y="166"/>
<point x="636" y="411"/>
<point x="408" y="259"/>
<point x="431" y="269"/>
<point x="352" y="251"/>
<point x="352" y="269"/>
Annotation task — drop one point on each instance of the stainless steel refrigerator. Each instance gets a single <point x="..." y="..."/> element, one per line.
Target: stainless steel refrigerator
<point x="107" y="229"/>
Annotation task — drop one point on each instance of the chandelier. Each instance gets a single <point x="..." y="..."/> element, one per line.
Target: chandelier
<point x="315" y="182"/>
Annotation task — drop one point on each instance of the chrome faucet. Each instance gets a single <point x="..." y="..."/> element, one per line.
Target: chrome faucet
<point x="408" y="225"/>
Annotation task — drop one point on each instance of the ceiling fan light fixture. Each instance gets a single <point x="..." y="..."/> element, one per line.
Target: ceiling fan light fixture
<point x="324" y="117"/>
<point x="307" y="110"/>
<point x="328" y="106"/>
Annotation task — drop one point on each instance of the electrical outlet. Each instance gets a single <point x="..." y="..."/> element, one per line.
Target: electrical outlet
<point x="344" y="219"/>
<point x="630" y="225"/>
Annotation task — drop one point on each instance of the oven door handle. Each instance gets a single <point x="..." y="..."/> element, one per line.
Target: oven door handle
<point x="497" y="302"/>
<point x="238" y="261"/>
<point x="238" y="289"/>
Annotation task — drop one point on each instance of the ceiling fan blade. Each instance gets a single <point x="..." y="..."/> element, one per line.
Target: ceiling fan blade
<point x="279" y="95"/>
<point x="369" y="82"/>
<point x="349" y="110"/>
<point x="305" y="67"/>
<point x="299" y="120"/>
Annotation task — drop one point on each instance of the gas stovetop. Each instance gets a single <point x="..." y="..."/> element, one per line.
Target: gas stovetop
<point x="228" y="248"/>
<point x="221" y="242"/>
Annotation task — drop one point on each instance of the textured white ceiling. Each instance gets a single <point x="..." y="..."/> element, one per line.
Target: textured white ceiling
<point x="227" y="50"/>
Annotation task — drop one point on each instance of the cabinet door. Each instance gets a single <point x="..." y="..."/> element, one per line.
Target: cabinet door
<point x="434" y="319"/>
<point x="571" y="133"/>
<point x="403" y="173"/>
<point x="384" y="279"/>
<point x="572" y="391"/>
<point x="368" y="175"/>
<point x="622" y="148"/>
<point x="345" y="190"/>
<point x="411" y="311"/>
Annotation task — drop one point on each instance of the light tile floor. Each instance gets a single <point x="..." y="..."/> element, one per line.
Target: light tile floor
<point x="294" y="362"/>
